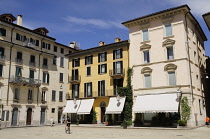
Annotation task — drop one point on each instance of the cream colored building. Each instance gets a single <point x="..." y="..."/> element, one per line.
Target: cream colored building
<point x="34" y="74"/>
<point x="168" y="60"/>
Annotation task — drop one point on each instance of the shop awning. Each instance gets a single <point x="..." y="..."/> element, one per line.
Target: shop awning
<point x="85" y="106"/>
<point x="156" y="103"/>
<point x="115" y="107"/>
<point x="71" y="107"/>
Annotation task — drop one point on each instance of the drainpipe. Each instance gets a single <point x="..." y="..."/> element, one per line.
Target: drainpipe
<point x="10" y="57"/>
<point x="188" y="54"/>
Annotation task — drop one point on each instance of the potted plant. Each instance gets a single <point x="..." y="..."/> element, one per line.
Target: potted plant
<point x="108" y="119"/>
<point x="185" y="112"/>
<point x="94" y="121"/>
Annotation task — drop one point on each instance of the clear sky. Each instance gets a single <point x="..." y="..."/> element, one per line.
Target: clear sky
<point x="91" y="21"/>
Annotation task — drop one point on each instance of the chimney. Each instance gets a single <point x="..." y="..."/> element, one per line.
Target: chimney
<point x="101" y="43"/>
<point x="19" y="20"/>
<point x="117" y="39"/>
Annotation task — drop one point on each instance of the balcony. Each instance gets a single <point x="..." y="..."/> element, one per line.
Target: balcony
<point x="24" y="81"/>
<point x="45" y="66"/>
<point x="117" y="73"/>
<point x="19" y="61"/>
<point x="74" y="79"/>
<point x="32" y="64"/>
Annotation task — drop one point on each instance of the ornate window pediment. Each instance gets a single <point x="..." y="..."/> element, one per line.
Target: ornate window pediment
<point x="145" y="47"/>
<point x="170" y="67"/>
<point x="146" y="70"/>
<point x="168" y="42"/>
<point x="44" y="88"/>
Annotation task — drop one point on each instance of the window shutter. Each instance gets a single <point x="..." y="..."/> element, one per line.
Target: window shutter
<point x="121" y="67"/>
<point x="105" y="68"/>
<point x="17" y="36"/>
<point x="78" y="62"/>
<point x="114" y="51"/>
<point x="48" y="77"/>
<point x="99" y="88"/>
<point x="105" y="56"/>
<point x="37" y="42"/>
<point x="91" y="89"/>
<point x="85" y="92"/>
<point x="48" y="46"/>
<point x="99" y="66"/>
<point x="85" y="60"/>
<point x="121" y="53"/>
<point x="43" y="78"/>
<point x="72" y="62"/>
<point x="99" y="58"/>
<point x="91" y="59"/>
<point x="43" y="44"/>
<point x="1" y="67"/>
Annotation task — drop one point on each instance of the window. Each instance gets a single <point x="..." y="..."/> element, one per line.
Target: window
<point x="55" y="48"/>
<point x="16" y="93"/>
<point x="46" y="77"/>
<point x="145" y="35"/>
<point x="31" y="74"/>
<point x="45" y="61"/>
<point x="30" y="94"/>
<point x="61" y="62"/>
<point x="70" y="52"/>
<point x="102" y="57"/>
<point x="88" y="89"/>
<point x="61" y="77"/>
<point x="75" y="90"/>
<point x="101" y="88"/>
<point x="172" y="78"/>
<point x="88" y="60"/>
<point x="5" y="114"/>
<point x="76" y="62"/>
<point x="146" y="57"/>
<point x="88" y="71"/>
<point x="200" y="106"/>
<point x="44" y="97"/>
<point x="118" y="67"/>
<point x="53" y="110"/>
<point x="117" y="83"/>
<point x="62" y="50"/>
<point x="60" y="95"/>
<point x="32" y="60"/>
<point x="18" y="71"/>
<point x="54" y="60"/>
<point x="117" y="54"/>
<point x="19" y="56"/>
<point x="1" y="70"/>
<point x="53" y="95"/>
<point x="102" y="68"/>
<point x="168" y="30"/>
<point x="1" y="51"/>
<point x="147" y="81"/>
<point x="20" y="37"/>
<point x="170" y="53"/>
<point x="46" y="45"/>
<point x="3" y="32"/>
<point x="75" y="74"/>
<point x="37" y="43"/>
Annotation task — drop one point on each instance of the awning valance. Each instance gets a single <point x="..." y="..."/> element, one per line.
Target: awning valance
<point x="115" y="107"/>
<point x="85" y="106"/>
<point x="71" y="106"/>
<point x="156" y="103"/>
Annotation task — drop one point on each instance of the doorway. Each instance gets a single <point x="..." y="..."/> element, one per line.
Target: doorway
<point x="14" y="116"/>
<point x="60" y="110"/>
<point x="103" y="109"/>
<point x="42" y="119"/>
<point x="28" y="118"/>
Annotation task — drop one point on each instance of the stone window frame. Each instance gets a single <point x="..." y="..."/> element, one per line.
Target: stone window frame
<point x="170" y="68"/>
<point x="143" y="48"/>
<point x="147" y="71"/>
<point x="166" y="44"/>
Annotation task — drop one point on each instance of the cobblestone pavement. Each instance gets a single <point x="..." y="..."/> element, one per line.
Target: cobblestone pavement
<point x="78" y="132"/>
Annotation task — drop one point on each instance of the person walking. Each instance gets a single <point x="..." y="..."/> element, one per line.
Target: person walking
<point x="68" y="122"/>
<point x="52" y="121"/>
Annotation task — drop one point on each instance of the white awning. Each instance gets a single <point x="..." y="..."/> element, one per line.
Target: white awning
<point x="115" y="107"/>
<point x="85" y="106"/>
<point x="156" y="103"/>
<point x="71" y="107"/>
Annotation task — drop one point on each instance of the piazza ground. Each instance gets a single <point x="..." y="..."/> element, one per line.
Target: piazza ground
<point x="79" y="132"/>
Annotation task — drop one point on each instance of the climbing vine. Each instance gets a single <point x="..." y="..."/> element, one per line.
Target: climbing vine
<point x="185" y="110"/>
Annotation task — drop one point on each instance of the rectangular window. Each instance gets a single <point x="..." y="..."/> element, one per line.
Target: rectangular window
<point x="61" y="77"/>
<point x="5" y="116"/>
<point x="30" y="94"/>
<point x="46" y="45"/>
<point x="88" y="60"/>
<point x="118" y="67"/>
<point x="147" y="81"/>
<point x="16" y="94"/>
<point x="146" y="57"/>
<point x="75" y="90"/>
<point x="76" y="62"/>
<point x="75" y="74"/>
<point x="18" y="72"/>
<point x="31" y="74"/>
<point x="3" y="32"/>
<point x="61" y="62"/>
<point x="88" y="71"/>
<point x="32" y="59"/>
<point x="117" y="54"/>
<point x="54" y="60"/>
<point x="1" y="70"/>
<point x="53" y="110"/>
<point x="170" y="53"/>
<point x="102" y="57"/>
<point x="101" y="88"/>
<point x="117" y="83"/>
<point x="19" y="55"/>
<point x="44" y="96"/>
<point x="168" y="30"/>
<point x="172" y="78"/>
<point x="46" y="77"/>
<point x="62" y="50"/>
<point x="55" y="48"/>
<point x="145" y="35"/>
<point x="45" y="61"/>
<point x="37" y="43"/>
<point x="88" y="89"/>
<point x="102" y="68"/>
<point x="53" y="95"/>
<point x="60" y="95"/>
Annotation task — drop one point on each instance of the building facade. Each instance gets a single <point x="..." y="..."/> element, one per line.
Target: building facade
<point x="168" y="60"/>
<point x="34" y="74"/>
<point x="95" y="74"/>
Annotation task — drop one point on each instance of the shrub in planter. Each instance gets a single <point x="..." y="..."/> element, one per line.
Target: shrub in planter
<point x="182" y="122"/>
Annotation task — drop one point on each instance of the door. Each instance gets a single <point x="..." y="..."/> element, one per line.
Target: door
<point x="42" y="119"/>
<point x="28" y="118"/>
<point x="102" y="114"/>
<point x="59" y="114"/>
<point x="14" y="116"/>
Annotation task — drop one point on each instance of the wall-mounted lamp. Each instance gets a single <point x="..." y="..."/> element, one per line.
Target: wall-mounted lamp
<point x="118" y="97"/>
<point x="178" y="92"/>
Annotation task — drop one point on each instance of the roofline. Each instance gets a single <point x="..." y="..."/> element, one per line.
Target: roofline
<point x="204" y="15"/>
<point x="97" y="47"/>
<point x="66" y="46"/>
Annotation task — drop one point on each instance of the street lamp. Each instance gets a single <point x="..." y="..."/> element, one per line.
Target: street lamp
<point x="178" y="93"/>
<point x="118" y="97"/>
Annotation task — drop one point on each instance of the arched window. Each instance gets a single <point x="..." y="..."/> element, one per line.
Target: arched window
<point x="3" y="32"/>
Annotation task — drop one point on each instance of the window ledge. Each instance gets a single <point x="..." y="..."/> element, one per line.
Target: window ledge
<point x="45" y="83"/>
<point x="61" y="66"/>
<point x="170" y="60"/>
<point x="168" y="37"/>
<point x="61" y="82"/>
<point x="145" y="42"/>
<point x="145" y="64"/>
<point x="60" y="100"/>
<point x="101" y="73"/>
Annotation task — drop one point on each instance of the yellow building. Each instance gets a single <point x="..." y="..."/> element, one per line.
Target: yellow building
<point x="95" y="74"/>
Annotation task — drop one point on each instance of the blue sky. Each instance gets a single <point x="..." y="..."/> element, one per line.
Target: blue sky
<point x="91" y="21"/>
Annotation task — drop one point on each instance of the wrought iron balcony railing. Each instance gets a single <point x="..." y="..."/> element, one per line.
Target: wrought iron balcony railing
<point x="19" y="61"/>
<point x="117" y="72"/>
<point x="24" y="81"/>
<point x="45" y="66"/>
<point x="74" y="79"/>
<point x="33" y="64"/>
